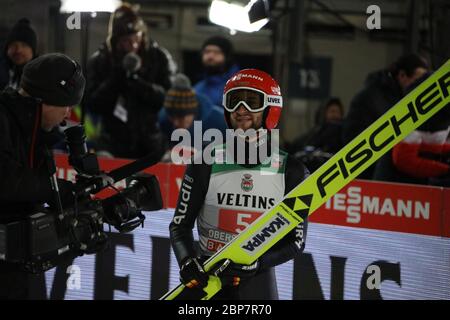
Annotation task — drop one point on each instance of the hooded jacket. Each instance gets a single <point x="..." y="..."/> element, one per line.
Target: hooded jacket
<point x="128" y="107"/>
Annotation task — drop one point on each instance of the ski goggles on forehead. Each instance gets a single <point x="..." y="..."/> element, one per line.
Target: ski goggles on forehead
<point x="253" y="100"/>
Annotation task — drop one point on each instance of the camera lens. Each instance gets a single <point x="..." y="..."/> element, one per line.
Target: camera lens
<point x="124" y="208"/>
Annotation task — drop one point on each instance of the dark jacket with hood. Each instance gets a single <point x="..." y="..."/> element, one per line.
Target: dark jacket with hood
<point x="380" y="93"/>
<point x="131" y="130"/>
<point x="24" y="176"/>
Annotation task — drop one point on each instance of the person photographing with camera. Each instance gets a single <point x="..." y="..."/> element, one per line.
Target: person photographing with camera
<point x="50" y="86"/>
<point x="127" y="79"/>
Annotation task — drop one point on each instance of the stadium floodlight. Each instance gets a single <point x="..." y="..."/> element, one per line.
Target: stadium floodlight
<point x="234" y="16"/>
<point x="69" y="6"/>
<point x="258" y="9"/>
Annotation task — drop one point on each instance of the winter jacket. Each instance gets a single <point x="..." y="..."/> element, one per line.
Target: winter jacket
<point x="24" y="174"/>
<point x="211" y="116"/>
<point x="128" y="106"/>
<point x="212" y="85"/>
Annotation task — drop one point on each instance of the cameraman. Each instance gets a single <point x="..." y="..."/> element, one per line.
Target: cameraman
<point x="51" y="84"/>
<point x="127" y="79"/>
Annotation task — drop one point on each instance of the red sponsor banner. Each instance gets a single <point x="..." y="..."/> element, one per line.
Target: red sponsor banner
<point x="364" y="204"/>
<point x="385" y="206"/>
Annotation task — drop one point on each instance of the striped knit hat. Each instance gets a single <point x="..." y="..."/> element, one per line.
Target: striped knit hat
<point x="181" y="99"/>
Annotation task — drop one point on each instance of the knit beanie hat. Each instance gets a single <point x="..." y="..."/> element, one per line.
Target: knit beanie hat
<point x="22" y="31"/>
<point x="124" y="21"/>
<point x="225" y="45"/>
<point x="54" y="78"/>
<point x="181" y="99"/>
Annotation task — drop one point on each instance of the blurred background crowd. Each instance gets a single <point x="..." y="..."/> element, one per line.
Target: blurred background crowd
<point x="156" y="66"/>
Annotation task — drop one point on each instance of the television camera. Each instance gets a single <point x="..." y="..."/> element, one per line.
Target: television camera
<point x="63" y="231"/>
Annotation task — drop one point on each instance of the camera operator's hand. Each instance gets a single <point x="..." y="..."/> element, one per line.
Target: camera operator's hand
<point x="233" y="274"/>
<point x="192" y="274"/>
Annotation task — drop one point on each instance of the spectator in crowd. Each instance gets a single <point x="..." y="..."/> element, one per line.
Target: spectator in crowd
<point x="183" y="106"/>
<point x="20" y="48"/>
<point x="382" y="90"/>
<point x="423" y="157"/>
<point x="127" y="79"/>
<point x="326" y="135"/>
<point x="218" y="64"/>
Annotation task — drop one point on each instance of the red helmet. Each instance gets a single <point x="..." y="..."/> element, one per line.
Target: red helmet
<point x="257" y="91"/>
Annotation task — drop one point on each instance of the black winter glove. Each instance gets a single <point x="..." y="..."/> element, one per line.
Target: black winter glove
<point x="233" y="274"/>
<point x="192" y="274"/>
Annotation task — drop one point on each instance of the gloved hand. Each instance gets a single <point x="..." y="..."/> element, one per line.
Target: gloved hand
<point x="233" y="274"/>
<point x="192" y="273"/>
